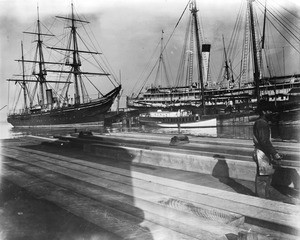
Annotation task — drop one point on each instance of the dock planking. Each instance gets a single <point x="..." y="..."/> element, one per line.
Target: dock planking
<point x="75" y="167"/>
<point x="140" y="184"/>
<point x="163" y="192"/>
<point x="195" y="225"/>
<point x="229" y="148"/>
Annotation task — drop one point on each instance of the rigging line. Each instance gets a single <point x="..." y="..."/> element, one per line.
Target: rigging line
<point x="91" y="41"/>
<point x="282" y="23"/>
<point x="169" y="66"/>
<point x="149" y="61"/>
<point x="201" y="29"/>
<point x="235" y="33"/>
<point x="61" y="37"/>
<point x="83" y="89"/>
<point x="28" y="93"/>
<point x="48" y="30"/>
<point x="181" y="68"/>
<point x="277" y="58"/>
<point x="176" y="26"/>
<point x="14" y="102"/>
<point x="65" y="89"/>
<point x="34" y="91"/>
<point x="49" y="52"/>
<point x="141" y="76"/>
<point x="291" y="13"/>
<point x="109" y="68"/>
<point x="286" y="24"/>
<point x="166" y="73"/>
<point x="233" y="42"/>
<point x="221" y="72"/>
<point x="103" y="57"/>
<point x="169" y="37"/>
<point x="213" y="68"/>
<point x="106" y="68"/>
<point x="158" y="71"/>
<point x="284" y="37"/>
<point x="148" y="77"/>
<point x="84" y="43"/>
<point x="268" y="64"/>
<point x="288" y="21"/>
<point x="93" y="85"/>
<point x="18" y="98"/>
<point x="92" y="63"/>
<point x="92" y="56"/>
<point x="35" y="59"/>
<point x="3" y="107"/>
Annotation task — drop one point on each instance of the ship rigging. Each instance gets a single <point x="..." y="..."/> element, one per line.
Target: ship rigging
<point x="242" y="81"/>
<point x="45" y="104"/>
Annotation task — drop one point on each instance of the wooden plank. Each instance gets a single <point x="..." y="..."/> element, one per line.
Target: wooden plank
<point x="253" y="207"/>
<point x="213" y="140"/>
<point x="176" y="220"/>
<point x="241" y="149"/>
<point x="94" y="173"/>
<point x="234" y="149"/>
<point x="120" y="223"/>
<point x="236" y="169"/>
<point x="157" y="217"/>
<point x="147" y="177"/>
<point x="114" y="221"/>
<point x="290" y="150"/>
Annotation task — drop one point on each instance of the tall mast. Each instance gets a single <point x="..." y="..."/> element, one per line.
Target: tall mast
<point x="226" y="61"/>
<point x="23" y="77"/>
<point x="264" y="27"/>
<point x="256" y="73"/>
<point x="41" y="74"/>
<point x="73" y="50"/>
<point x="76" y="61"/>
<point x="160" y="62"/>
<point x="161" y="68"/>
<point x="199" y="55"/>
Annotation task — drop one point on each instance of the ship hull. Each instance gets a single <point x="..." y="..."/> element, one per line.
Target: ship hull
<point x="170" y="119"/>
<point x="83" y="113"/>
<point x="231" y="107"/>
<point x="193" y="124"/>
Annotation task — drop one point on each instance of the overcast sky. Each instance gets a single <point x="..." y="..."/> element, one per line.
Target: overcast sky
<point x="127" y="30"/>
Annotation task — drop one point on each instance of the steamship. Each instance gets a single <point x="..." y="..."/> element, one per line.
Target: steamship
<point x="61" y="91"/>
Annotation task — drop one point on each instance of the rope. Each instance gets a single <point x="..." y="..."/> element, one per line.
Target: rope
<point x="272" y="17"/>
<point x="163" y="49"/>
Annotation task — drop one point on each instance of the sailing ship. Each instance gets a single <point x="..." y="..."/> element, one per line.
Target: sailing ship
<point x="236" y="100"/>
<point x="48" y="95"/>
<point x="171" y="107"/>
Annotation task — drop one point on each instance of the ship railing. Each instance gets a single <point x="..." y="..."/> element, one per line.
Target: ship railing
<point x="19" y="111"/>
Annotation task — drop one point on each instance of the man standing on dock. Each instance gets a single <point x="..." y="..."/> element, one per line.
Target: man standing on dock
<point x="265" y="155"/>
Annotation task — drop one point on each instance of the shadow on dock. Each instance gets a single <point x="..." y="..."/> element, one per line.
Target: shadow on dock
<point x="221" y="172"/>
<point x="287" y="181"/>
<point x="122" y="202"/>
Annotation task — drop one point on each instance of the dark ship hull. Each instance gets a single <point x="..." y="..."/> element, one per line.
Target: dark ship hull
<point x="75" y="114"/>
<point x="69" y="100"/>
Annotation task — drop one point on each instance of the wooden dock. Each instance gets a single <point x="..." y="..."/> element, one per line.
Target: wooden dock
<point x="137" y="186"/>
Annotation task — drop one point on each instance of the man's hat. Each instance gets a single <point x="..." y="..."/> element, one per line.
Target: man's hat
<point x="262" y="106"/>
